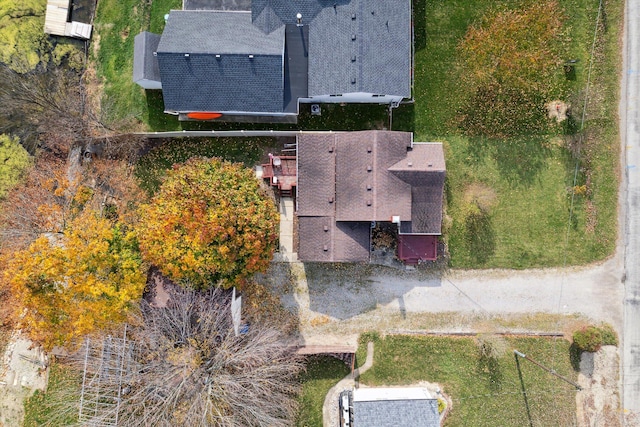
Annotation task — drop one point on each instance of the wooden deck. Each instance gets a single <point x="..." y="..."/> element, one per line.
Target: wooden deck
<point x="56" y="21"/>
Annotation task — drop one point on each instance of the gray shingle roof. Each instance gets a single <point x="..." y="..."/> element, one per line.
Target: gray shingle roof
<point x="394" y="407"/>
<point x="193" y="79"/>
<point x="221" y="32"/>
<point x="365" y="40"/>
<point x="396" y="413"/>
<point x="145" y="66"/>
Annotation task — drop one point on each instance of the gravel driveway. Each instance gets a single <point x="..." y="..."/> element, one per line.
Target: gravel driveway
<point x="336" y="302"/>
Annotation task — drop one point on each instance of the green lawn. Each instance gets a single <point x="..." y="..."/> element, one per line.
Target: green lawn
<point x="485" y="391"/>
<point x="322" y="373"/>
<point x="527" y="183"/>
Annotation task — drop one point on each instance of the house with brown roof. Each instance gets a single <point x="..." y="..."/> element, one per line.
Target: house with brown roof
<point x="348" y="182"/>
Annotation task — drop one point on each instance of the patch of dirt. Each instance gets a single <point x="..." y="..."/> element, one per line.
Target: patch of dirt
<point x="598" y="403"/>
<point x="23" y="370"/>
<point x="482" y="195"/>
<point x="557" y="110"/>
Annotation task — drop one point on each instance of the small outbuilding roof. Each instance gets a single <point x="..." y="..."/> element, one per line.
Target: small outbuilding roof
<point x="392" y="407"/>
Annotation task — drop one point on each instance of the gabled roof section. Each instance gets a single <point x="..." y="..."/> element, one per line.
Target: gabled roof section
<point x="424" y="170"/>
<point x="217" y="32"/>
<point x="226" y="65"/>
<point x="361" y="46"/>
<point x="316" y="174"/>
<point x="269" y="15"/>
<point x="365" y="189"/>
<point x="388" y="407"/>
<point x="145" y="65"/>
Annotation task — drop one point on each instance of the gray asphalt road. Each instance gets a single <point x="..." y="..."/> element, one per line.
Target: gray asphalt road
<point x="631" y="138"/>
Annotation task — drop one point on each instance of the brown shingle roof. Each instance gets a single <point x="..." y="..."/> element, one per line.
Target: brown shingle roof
<point x="316" y="183"/>
<point x="322" y="239"/>
<point x="346" y="180"/>
<point x="365" y="189"/>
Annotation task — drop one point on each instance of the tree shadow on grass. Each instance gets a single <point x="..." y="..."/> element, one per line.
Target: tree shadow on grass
<point x="519" y="159"/>
<point x="480" y="235"/>
<point x="419" y="24"/>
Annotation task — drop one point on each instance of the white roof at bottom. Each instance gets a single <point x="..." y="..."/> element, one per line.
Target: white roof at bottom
<point x="390" y="393"/>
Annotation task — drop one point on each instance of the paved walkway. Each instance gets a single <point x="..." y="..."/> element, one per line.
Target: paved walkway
<point x="630" y="129"/>
<point x="287" y="252"/>
<point x="330" y="417"/>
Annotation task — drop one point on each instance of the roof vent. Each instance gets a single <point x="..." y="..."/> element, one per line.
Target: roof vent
<point x="410" y="164"/>
<point x="369" y="168"/>
<point x="250" y="56"/>
<point x="368" y="202"/>
<point x="368" y="149"/>
<point x="217" y="55"/>
<point x="353" y="36"/>
<point x="325" y="248"/>
<point x="369" y="187"/>
<point x="326" y="228"/>
<point x="331" y="149"/>
<point x="330" y="199"/>
<point x="353" y="16"/>
<point x="155" y="53"/>
<point x="353" y="58"/>
<point x="186" y="55"/>
<point x="353" y="80"/>
<point x="430" y="165"/>
<point x="298" y="19"/>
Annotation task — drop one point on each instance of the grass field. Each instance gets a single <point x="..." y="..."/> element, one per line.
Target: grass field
<point x="486" y="391"/>
<point x="526" y="184"/>
<point x="322" y="373"/>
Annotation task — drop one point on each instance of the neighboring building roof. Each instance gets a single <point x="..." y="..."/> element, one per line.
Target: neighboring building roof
<point x="361" y="46"/>
<point x="145" y="66"/>
<point x="391" y="407"/>
<point x="347" y="180"/>
<point x="194" y="79"/>
<point x="216" y="4"/>
<point x="343" y="47"/>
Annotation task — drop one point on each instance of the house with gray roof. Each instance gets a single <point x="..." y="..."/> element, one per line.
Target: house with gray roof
<point x="394" y="407"/>
<point x="349" y="181"/>
<point x="260" y="64"/>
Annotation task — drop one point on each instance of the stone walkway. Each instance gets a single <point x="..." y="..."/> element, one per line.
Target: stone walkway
<point x="330" y="417"/>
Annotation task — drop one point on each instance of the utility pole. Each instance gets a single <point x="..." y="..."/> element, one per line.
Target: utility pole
<point x="551" y="371"/>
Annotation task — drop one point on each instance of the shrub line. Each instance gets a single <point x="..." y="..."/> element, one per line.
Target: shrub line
<point x="515" y="333"/>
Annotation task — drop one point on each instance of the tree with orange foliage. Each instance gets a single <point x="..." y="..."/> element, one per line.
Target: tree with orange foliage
<point x="210" y="224"/>
<point x="513" y="66"/>
<point x="72" y="284"/>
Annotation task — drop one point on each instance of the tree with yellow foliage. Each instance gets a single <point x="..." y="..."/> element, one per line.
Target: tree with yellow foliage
<point x="210" y="224"/>
<point x="77" y="282"/>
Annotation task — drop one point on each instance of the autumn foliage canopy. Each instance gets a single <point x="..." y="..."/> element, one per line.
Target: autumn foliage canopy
<point x="513" y="65"/>
<point x="210" y="224"/>
<point x="71" y="284"/>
